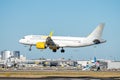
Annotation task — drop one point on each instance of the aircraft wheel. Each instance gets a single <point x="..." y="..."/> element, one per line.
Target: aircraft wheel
<point x="54" y="50"/>
<point x="62" y="50"/>
<point x="29" y="49"/>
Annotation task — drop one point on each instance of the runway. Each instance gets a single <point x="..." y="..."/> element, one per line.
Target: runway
<point x="64" y="78"/>
<point x="59" y="75"/>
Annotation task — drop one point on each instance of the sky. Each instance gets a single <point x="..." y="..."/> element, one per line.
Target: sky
<point x="66" y="18"/>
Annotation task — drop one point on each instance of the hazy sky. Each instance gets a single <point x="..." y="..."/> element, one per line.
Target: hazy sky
<point x="66" y="18"/>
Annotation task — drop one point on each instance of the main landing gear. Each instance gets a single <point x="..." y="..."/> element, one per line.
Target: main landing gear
<point x="54" y="50"/>
<point x="62" y="50"/>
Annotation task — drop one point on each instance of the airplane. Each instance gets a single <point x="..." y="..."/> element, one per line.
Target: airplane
<point x="56" y="42"/>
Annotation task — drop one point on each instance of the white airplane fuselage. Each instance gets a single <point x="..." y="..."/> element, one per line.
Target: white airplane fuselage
<point x="62" y="41"/>
<point x="57" y="42"/>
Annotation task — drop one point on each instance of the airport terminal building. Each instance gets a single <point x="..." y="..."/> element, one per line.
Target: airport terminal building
<point x="11" y="58"/>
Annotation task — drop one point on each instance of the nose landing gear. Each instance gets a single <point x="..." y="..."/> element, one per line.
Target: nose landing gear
<point x="30" y="48"/>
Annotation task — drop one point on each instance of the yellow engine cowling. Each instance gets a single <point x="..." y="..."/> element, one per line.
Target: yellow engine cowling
<point x="40" y="45"/>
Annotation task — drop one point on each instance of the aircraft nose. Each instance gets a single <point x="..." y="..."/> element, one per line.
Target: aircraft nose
<point x="21" y="41"/>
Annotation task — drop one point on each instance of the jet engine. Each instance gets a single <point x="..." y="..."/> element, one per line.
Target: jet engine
<point x="41" y="45"/>
<point x="96" y="41"/>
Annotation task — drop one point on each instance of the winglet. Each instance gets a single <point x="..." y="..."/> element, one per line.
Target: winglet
<point x="51" y="34"/>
